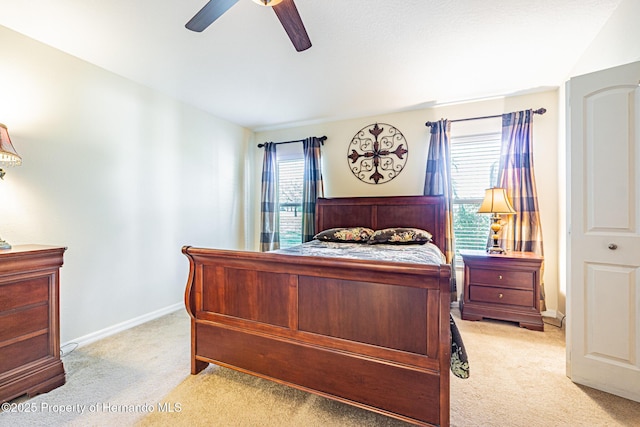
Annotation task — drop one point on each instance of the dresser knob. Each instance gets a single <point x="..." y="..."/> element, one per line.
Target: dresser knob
<point x="613" y="246"/>
<point x="500" y="296"/>
<point x="500" y="277"/>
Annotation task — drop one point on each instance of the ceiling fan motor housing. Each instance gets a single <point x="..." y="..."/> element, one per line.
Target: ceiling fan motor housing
<point x="268" y="2"/>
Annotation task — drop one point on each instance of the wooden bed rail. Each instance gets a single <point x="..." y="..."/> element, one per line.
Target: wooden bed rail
<point x="302" y="320"/>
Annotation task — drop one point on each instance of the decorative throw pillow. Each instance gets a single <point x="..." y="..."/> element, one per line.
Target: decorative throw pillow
<point x="350" y="234"/>
<point x="401" y="236"/>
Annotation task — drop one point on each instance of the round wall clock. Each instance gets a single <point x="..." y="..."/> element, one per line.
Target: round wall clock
<point x="377" y="153"/>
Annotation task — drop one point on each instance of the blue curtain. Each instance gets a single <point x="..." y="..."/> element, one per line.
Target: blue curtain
<point x="312" y="186"/>
<point x="437" y="182"/>
<point x="269" y="218"/>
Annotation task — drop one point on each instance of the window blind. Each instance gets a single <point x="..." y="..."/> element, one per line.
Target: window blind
<point x="474" y="168"/>
<point x="290" y="176"/>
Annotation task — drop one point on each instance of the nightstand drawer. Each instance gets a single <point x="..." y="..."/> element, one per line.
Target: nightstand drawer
<point x="500" y="296"/>
<point x="512" y="279"/>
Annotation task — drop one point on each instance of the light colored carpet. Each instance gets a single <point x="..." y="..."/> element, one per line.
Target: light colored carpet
<point x="517" y="379"/>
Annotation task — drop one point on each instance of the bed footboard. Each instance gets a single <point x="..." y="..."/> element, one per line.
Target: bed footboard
<point x="374" y="335"/>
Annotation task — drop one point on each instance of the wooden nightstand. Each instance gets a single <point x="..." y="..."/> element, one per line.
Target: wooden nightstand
<point x="502" y="286"/>
<point x="29" y="320"/>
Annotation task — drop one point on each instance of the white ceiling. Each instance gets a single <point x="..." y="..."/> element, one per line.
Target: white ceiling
<point x="368" y="56"/>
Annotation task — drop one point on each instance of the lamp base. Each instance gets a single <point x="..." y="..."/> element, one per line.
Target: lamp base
<point x="4" y="244"/>
<point x="495" y="228"/>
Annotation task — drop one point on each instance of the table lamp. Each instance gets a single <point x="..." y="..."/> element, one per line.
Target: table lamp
<point x="496" y="203"/>
<point x="8" y="157"/>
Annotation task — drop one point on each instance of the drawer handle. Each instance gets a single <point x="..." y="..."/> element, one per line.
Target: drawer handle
<point x="500" y="296"/>
<point x="500" y="277"/>
<point x="613" y="246"/>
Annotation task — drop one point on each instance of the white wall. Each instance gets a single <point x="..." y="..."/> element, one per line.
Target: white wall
<point x="617" y="42"/>
<point x="121" y="175"/>
<point x="340" y="182"/>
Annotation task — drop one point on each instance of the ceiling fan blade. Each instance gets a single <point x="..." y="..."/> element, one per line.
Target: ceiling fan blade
<point x="290" y="19"/>
<point x="209" y="13"/>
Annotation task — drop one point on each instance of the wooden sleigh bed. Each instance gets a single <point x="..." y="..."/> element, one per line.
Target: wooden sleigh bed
<point x="371" y="334"/>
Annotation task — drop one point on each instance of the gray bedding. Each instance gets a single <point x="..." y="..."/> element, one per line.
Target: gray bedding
<point x="420" y="254"/>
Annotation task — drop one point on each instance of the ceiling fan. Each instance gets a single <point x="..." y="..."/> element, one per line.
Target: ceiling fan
<point x="285" y="10"/>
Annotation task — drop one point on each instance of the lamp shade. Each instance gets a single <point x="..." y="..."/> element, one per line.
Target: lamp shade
<point x="8" y="154"/>
<point x="496" y="201"/>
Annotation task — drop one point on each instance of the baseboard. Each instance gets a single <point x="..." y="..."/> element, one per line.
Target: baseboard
<point x="553" y="317"/>
<point x="111" y="330"/>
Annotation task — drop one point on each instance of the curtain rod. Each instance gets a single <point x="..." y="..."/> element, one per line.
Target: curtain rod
<point x="321" y="138"/>
<point x="538" y="111"/>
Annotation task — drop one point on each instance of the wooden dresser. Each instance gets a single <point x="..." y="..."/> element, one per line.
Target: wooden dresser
<point x="29" y="320"/>
<point x="502" y="286"/>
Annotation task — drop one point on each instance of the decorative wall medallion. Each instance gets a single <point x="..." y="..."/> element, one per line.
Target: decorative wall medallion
<point x="377" y="153"/>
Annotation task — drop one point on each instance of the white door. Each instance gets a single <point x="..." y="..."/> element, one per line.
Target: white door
<point x="603" y="287"/>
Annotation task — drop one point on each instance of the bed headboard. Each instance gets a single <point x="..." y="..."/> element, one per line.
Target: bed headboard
<point x="425" y="212"/>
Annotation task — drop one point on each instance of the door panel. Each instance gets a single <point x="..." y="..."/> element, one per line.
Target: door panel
<point x="610" y="294"/>
<point x="609" y="120"/>
<point x="603" y="308"/>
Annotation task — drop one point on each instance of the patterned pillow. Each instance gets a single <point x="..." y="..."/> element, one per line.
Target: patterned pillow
<point x="350" y="234"/>
<point x="401" y="236"/>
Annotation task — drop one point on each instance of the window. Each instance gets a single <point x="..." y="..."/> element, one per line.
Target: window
<point x="290" y="176"/>
<point x="474" y="168"/>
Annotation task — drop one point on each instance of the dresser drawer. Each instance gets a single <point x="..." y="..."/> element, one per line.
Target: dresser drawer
<point x="21" y="322"/>
<point x="24" y="292"/>
<point x="29" y="321"/>
<point x="512" y="279"/>
<point x="22" y="352"/>
<point x="500" y="295"/>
